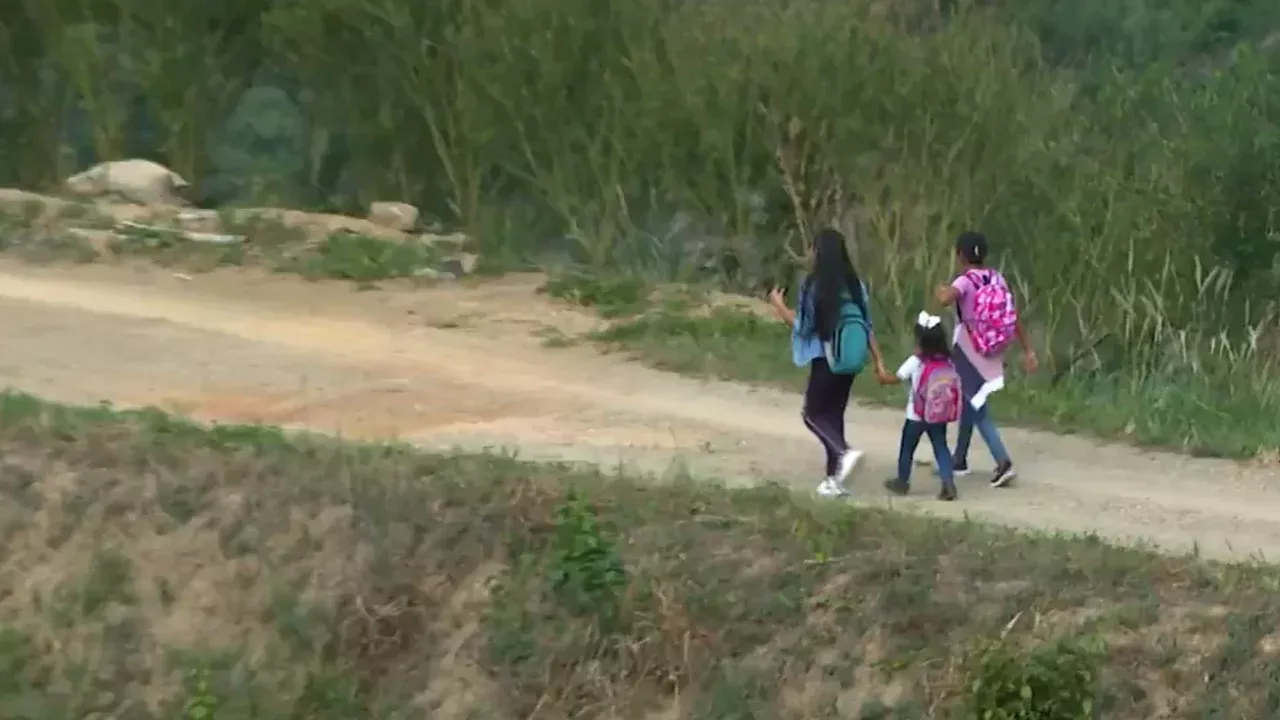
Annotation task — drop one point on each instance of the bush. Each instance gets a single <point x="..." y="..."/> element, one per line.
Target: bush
<point x="587" y="574"/>
<point x="1058" y="681"/>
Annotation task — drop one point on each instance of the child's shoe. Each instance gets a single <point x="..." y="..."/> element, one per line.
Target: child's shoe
<point x="948" y="493"/>
<point x="897" y="486"/>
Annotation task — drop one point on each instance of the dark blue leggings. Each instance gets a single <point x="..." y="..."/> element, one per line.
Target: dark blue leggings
<point x="825" y="400"/>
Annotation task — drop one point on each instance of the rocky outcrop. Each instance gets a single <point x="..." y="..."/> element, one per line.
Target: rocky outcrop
<point x="100" y="216"/>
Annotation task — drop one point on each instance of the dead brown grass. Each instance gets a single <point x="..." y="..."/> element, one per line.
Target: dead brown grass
<point x="304" y="579"/>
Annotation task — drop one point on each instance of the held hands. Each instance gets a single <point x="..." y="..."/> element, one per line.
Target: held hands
<point x="777" y="298"/>
<point x="883" y="376"/>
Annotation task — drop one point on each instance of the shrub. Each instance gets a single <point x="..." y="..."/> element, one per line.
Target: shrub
<point x="587" y="574"/>
<point x="1057" y="681"/>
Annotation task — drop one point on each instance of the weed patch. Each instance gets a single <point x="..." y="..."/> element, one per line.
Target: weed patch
<point x="587" y="573"/>
<point x="362" y="259"/>
<point x="610" y="296"/>
<point x="1055" y="681"/>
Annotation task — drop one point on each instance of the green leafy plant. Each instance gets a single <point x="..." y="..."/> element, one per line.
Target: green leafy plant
<point x="1057" y="681"/>
<point x="587" y="573"/>
<point x="201" y="703"/>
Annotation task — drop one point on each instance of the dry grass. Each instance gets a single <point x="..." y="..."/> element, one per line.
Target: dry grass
<point x="152" y="569"/>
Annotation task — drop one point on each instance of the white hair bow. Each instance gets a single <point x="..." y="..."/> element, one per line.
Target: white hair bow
<point x="927" y="321"/>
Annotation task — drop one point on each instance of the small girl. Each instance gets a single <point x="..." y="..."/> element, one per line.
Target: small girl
<point x="933" y="402"/>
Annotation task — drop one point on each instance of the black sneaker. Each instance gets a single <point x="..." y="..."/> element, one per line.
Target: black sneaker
<point x="948" y="493"/>
<point x="959" y="469"/>
<point x="1004" y="475"/>
<point x="897" y="487"/>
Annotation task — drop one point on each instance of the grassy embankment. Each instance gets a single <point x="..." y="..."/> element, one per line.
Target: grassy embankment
<point x="158" y="570"/>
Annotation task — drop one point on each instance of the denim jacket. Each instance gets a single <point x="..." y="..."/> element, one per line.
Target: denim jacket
<point x="806" y="346"/>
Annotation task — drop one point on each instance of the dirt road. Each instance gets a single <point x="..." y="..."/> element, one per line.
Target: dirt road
<point x="462" y="367"/>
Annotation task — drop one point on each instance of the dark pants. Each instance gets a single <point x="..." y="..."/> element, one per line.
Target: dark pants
<point x="825" y="399"/>
<point x="912" y="430"/>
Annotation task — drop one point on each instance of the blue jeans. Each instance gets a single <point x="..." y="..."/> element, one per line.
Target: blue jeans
<point x="912" y="430"/>
<point x="981" y="419"/>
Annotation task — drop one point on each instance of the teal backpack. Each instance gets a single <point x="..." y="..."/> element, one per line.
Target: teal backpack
<point x="851" y="343"/>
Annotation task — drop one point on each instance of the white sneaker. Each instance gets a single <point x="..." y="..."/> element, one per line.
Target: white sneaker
<point x="848" y="462"/>
<point x="831" y="488"/>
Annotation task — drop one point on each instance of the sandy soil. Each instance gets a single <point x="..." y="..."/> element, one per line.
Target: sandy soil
<point x="462" y="366"/>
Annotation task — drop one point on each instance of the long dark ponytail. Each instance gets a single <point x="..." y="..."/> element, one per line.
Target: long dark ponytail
<point x="833" y="275"/>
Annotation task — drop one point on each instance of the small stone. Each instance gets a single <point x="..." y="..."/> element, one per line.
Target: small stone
<point x="393" y="215"/>
<point x="460" y="264"/>
<point x="428" y="273"/>
<point x="206" y="221"/>
<point x="454" y="241"/>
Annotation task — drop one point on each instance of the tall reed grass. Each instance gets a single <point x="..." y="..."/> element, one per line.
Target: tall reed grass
<point x="1130" y="200"/>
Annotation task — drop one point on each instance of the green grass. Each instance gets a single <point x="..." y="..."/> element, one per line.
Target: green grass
<point x="1199" y="410"/>
<point x="175" y="571"/>
<point x="364" y="259"/>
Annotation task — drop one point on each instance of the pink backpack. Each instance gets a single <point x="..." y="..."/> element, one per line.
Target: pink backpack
<point x="937" y="397"/>
<point x="995" y="318"/>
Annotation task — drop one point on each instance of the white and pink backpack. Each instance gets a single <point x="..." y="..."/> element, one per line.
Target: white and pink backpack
<point x="995" y="317"/>
<point x="937" y="396"/>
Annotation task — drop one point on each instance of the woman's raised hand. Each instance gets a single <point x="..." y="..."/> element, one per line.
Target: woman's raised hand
<point x="777" y="298"/>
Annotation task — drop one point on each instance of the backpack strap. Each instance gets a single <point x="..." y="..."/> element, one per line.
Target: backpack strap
<point x="917" y="392"/>
<point x="981" y="278"/>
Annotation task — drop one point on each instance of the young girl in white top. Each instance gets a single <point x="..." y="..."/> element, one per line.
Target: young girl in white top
<point x="933" y="402"/>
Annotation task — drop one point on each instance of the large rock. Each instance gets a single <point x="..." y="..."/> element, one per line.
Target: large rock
<point x="136" y="181"/>
<point x="393" y="215"/>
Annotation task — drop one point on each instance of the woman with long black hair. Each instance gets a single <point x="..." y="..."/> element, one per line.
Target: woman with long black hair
<point x="831" y="284"/>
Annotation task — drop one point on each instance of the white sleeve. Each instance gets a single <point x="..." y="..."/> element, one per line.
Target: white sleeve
<point x="908" y="368"/>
